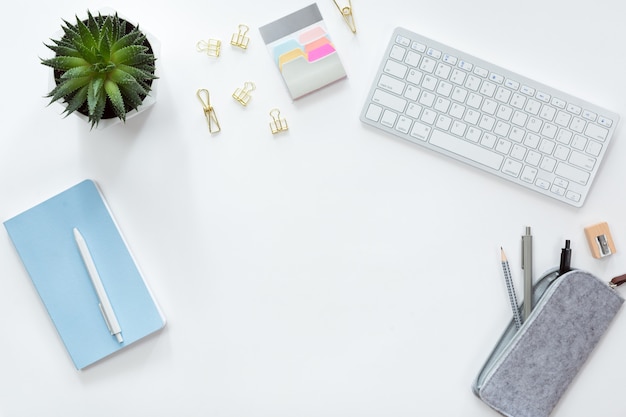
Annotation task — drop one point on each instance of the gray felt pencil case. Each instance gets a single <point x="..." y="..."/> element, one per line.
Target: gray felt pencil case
<point x="530" y="368"/>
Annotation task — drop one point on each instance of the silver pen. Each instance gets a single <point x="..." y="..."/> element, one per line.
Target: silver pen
<point x="105" y="305"/>
<point x="527" y="266"/>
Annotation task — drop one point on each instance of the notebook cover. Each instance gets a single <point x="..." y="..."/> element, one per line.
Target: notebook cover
<point x="44" y="239"/>
<point x="303" y="51"/>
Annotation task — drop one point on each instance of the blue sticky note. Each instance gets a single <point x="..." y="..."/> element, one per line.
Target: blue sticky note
<point x="44" y="239"/>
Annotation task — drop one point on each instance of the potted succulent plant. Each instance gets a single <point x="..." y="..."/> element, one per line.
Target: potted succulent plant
<point x="103" y="66"/>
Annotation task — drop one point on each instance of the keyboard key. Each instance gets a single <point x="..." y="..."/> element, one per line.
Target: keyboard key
<point x="427" y="99"/>
<point x="443" y="71"/>
<point x="542" y="183"/>
<point x="388" y="100"/>
<point x="578" y="125"/>
<point x="391" y="84"/>
<point x="396" y="69"/>
<point x="605" y="121"/>
<point x="414" y="77"/>
<point x="428" y="65"/>
<point x="452" y="60"/>
<point x="557" y="190"/>
<point x="404" y="124"/>
<point x="529" y="174"/>
<point x="389" y="118"/>
<point x="547" y="113"/>
<point x="402" y="40"/>
<point x="496" y="78"/>
<point x="511" y="167"/>
<point x="547" y="164"/>
<point x="558" y="102"/>
<point x="518" y="152"/>
<point x="589" y="115"/>
<point x="412" y="59"/>
<point x="513" y="85"/>
<point x="596" y="132"/>
<point x="458" y="128"/>
<point x="518" y="101"/>
<point x="428" y="116"/>
<point x="466" y="149"/>
<point x="413" y="110"/>
<point x="572" y="173"/>
<point x="481" y="72"/>
<point x="434" y="53"/>
<point x="397" y="53"/>
<point x="473" y="83"/>
<point x="563" y="119"/>
<point x="420" y="131"/>
<point x="418" y="46"/>
<point x="561" y="152"/>
<point x="572" y="108"/>
<point x="412" y="93"/>
<point x="442" y="105"/>
<point x="488" y="140"/>
<point x="579" y="142"/>
<point x="374" y="112"/>
<point x="443" y="122"/>
<point x="465" y="65"/>
<point x="543" y="96"/>
<point x="527" y="90"/>
<point x="458" y="77"/>
<point x="582" y="161"/>
<point x="503" y="95"/>
<point x="594" y="148"/>
<point x="487" y="89"/>
<point x="503" y="146"/>
<point x="574" y="196"/>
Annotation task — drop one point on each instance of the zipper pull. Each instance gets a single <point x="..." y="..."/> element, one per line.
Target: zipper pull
<point x="617" y="281"/>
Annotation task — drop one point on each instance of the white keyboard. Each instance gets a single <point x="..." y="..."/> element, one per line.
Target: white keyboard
<point x="489" y="117"/>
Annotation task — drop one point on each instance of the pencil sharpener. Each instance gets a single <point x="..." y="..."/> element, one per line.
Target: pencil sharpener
<point x="600" y="240"/>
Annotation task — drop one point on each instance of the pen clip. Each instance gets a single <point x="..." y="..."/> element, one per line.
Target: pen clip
<point x="106" y="319"/>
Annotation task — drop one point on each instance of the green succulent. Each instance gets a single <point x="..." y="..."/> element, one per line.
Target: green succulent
<point x="101" y="63"/>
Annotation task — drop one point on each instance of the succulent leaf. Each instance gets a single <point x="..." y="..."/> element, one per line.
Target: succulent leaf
<point x="67" y="87"/>
<point x="77" y="100"/>
<point x="114" y="94"/>
<point x="65" y="63"/>
<point x="100" y="63"/>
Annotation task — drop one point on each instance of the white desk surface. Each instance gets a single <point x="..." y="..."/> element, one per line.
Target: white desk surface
<point x="328" y="271"/>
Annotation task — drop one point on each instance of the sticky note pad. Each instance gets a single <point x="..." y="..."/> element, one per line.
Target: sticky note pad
<point x="303" y="51"/>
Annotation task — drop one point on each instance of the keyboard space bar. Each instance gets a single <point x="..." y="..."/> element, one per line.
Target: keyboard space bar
<point x="465" y="149"/>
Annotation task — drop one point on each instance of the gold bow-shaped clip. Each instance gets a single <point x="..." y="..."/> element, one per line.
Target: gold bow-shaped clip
<point x="209" y="112"/>
<point x="346" y="12"/>
<point x="211" y="47"/>
<point x="277" y="124"/>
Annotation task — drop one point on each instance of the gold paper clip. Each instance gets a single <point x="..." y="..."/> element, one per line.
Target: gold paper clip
<point x="212" y="47"/>
<point x="240" y="39"/>
<point x="346" y="12"/>
<point x="242" y="95"/>
<point x="277" y="124"/>
<point x="209" y="112"/>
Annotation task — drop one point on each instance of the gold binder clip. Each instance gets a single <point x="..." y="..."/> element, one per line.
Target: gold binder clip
<point x="240" y="39"/>
<point x="212" y="47"/>
<point x="242" y="95"/>
<point x="346" y="12"/>
<point x="277" y="124"/>
<point x="209" y="112"/>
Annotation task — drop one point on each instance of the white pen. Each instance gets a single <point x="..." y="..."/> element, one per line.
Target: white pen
<point x="105" y="304"/>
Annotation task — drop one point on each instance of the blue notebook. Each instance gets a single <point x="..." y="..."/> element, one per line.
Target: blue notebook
<point x="44" y="239"/>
